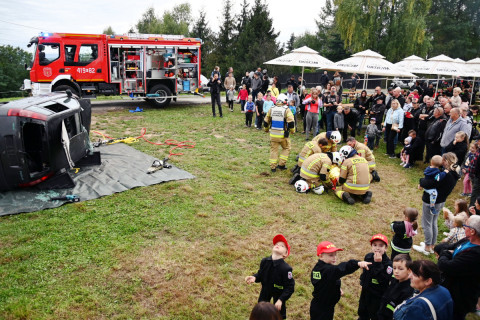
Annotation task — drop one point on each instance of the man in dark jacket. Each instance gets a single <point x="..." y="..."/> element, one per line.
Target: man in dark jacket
<point x="324" y="79"/>
<point x="215" y="86"/>
<point x="247" y="81"/>
<point x="292" y="82"/>
<point x="377" y="95"/>
<point x="396" y="94"/>
<point x="459" y="265"/>
<point x="350" y="118"/>
<point x="256" y="85"/>
<point x="433" y="135"/>
<point x="426" y="116"/>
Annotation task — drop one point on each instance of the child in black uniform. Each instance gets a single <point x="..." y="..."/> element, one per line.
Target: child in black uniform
<point x="399" y="289"/>
<point x="404" y="231"/>
<point x="326" y="281"/>
<point x="276" y="276"/>
<point x="376" y="279"/>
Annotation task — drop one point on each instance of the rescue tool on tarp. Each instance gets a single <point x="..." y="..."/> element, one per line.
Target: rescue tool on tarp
<point x="68" y="197"/>
<point x="159" y="165"/>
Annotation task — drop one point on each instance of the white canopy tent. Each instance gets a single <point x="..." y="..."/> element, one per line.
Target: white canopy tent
<point x="409" y="62"/>
<point x="472" y="67"/>
<point x="301" y="57"/>
<point x="443" y="65"/>
<point x="369" y="62"/>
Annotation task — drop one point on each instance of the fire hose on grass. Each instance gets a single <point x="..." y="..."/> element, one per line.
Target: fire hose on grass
<point x="157" y="164"/>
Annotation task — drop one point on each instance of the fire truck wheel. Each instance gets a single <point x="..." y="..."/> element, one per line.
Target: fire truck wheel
<point x="163" y="92"/>
<point x="65" y="87"/>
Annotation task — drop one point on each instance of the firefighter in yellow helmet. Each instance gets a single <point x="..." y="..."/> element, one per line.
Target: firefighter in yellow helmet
<point x="308" y="149"/>
<point x="354" y="177"/>
<point x="280" y="122"/>
<point x="333" y="138"/>
<point x="365" y="152"/>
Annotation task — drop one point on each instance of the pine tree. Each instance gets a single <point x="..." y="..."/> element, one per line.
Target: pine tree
<point x="291" y="42"/>
<point x="223" y="53"/>
<point x="201" y="30"/>
<point x="454" y="26"/>
<point x="330" y="44"/>
<point x="108" y="30"/>
<point x="242" y="41"/>
<point x="263" y="38"/>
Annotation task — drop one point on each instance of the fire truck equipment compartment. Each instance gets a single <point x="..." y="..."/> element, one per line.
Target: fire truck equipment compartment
<point x="122" y="168"/>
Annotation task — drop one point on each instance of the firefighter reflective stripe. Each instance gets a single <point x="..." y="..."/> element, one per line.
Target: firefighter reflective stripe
<point x="390" y="307"/>
<point x="273" y="135"/>
<point x="374" y="281"/>
<point x="343" y="167"/>
<point x="371" y="164"/>
<point x="357" y="186"/>
<point x="309" y="173"/>
<point x="354" y="180"/>
<point x="302" y="158"/>
<point x="283" y="157"/>
<point x="273" y="160"/>
<point x="398" y="249"/>
<point x="277" y="127"/>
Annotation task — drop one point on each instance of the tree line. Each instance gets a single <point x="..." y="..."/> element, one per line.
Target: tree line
<point x="394" y="28"/>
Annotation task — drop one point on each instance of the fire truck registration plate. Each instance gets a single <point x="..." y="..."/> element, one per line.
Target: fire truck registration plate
<point x="86" y="70"/>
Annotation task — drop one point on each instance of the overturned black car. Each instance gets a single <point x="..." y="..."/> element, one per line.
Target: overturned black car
<point x="41" y="138"/>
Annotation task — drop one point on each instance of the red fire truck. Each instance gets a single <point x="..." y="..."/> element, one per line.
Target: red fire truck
<point x="143" y="66"/>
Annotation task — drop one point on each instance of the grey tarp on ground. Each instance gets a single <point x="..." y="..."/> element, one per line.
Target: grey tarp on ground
<point x="122" y="168"/>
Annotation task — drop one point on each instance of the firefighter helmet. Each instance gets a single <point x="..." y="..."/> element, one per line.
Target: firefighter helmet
<point x="336" y="137"/>
<point x="345" y="151"/>
<point x="301" y="186"/>
<point x="337" y="158"/>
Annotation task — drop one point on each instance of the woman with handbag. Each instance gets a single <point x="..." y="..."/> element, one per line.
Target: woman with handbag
<point x="432" y="302"/>
<point x="393" y="126"/>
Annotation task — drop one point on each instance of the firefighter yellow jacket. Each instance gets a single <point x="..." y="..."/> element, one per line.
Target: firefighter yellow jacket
<point x="355" y="171"/>
<point x="314" y="166"/>
<point x="331" y="147"/>
<point x="279" y="119"/>
<point x="365" y="152"/>
<point x="309" y="149"/>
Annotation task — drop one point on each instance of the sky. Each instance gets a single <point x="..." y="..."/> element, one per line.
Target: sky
<point x="20" y="20"/>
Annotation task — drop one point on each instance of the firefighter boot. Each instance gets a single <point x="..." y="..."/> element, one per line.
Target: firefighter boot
<point x="295" y="169"/>
<point x="294" y="179"/>
<point x="345" y="196"/>
<point x="367" y="197"/>
<point x="282" y="167"/>
<point x="375" y="176"/>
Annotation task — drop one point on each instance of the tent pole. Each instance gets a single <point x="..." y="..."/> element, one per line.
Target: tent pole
<point x="302" y="76"/>
<point x="473" y="91"/>
<point x="436" y="89"/>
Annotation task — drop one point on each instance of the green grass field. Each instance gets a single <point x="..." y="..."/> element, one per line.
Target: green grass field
<point x="181" y="250"/>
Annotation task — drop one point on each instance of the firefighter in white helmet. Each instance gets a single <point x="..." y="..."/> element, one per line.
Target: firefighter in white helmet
<point x="333" y="138"/>
<point x="354" y="177"/>
<point x="280" y="123"/>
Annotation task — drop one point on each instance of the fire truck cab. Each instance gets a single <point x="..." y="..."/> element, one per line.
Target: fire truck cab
<point x="143" y="66"/>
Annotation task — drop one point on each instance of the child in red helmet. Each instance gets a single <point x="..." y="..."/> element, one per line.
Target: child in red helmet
<point x="275" y="275"/>
<point x="326" y="281"/>
<point x="376" y="279"/>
